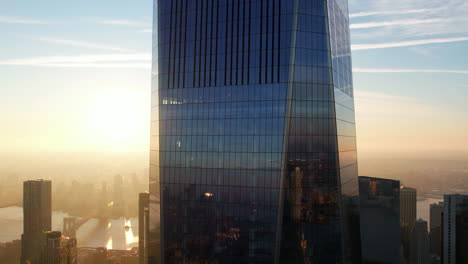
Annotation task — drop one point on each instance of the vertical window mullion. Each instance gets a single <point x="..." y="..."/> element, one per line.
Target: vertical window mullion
<point x="177" y="45"/>
<point x="232" y="42"/>
<point x="216" y="36"/>
<point x="273" y="42"/>
<point x="195" y="46"/>
<point x="170" y="73"/>
<point x="226" y="45"/>
<point x="249" y="39"/>
<point x="266" y="40"/>
<point x="244" y="37"/>
<point x="205" y="47"/>
<point x="237" y="42"/>
<point x="185" y="45"/>
<point x="279" y="41"/>
<point x="212" y="46"/>
<point x="200" y="69"/>
<point x="261" y="42"/>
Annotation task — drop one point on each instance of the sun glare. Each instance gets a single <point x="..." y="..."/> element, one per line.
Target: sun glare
<point x="118" y="119"/>
<point x="130" y="238"/>
<point x="109" y="243"/>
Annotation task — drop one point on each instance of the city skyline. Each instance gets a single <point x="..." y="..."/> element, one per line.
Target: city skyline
<point x="406" y="65"/>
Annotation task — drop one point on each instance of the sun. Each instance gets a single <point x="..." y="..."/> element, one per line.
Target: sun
<point x="119" y="120"/>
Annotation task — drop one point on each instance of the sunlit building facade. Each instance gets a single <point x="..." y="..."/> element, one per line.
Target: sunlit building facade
<point x="407" y="217"/>
<point x="253" y="147"/>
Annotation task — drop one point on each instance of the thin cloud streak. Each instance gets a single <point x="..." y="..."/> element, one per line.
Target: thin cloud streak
<point x="147" y="30"/>
<point x="373" y="70"/>
<point x="406" y="43"/>
<point x="393" y="23"/>
<point x="20" y="20"/>
<point x="452" y="14"/>
<point x="124" y="22"/>
<point x="134" y="60"/>
<point x="369" y="105"/>
<point x="378" y="96"/>
<point x="83" y="44"/>
<point x="146" y="66"/>
<point x="393" y="12"/>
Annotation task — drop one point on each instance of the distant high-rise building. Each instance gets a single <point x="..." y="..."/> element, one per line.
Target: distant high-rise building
<point x="435" y="235"/>
<point x="455" y="229"/>
<point x="53" y="249"/>
<point x="69" y="247"/>
<point x="420" y="243"/>
<point x="380" y="220"/>
<point x="253" y="149"/>
<point x="33" y="247"/>
<point x="50" y="247"/>
<point x="104" y="200"/>
<point x="37" y="206"/>
<point x="37" y="213"/>
<point x="407" y="217"/>
<point x="69" y="226"/>
<point x="118" y="196"/>
<point x="143" y="227"/>
<point x="436" y="210"/>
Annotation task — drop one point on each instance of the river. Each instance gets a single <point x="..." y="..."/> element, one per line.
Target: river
<point x="111" y="233"/>
<point x="423" y="207"/>
<point x="94" y="233"/>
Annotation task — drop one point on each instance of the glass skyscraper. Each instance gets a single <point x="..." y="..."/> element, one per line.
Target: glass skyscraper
<point x="380" y="220"/>
<point x="253" y="148"/>
<point x="37" y="216"/>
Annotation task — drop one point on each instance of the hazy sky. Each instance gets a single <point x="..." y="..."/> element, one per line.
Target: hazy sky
<point x="75" y="75"/>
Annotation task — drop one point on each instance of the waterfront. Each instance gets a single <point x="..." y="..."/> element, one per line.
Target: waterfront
<point x="112" y="233"/>
<point x="94" y="233"/>
<point x="423" y="206"/>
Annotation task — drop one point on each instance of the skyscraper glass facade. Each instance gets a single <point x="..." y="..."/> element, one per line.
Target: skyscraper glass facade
<point x="253" y="153"/>
<point x="37" y="211"/>
<point x="380" y="220"/>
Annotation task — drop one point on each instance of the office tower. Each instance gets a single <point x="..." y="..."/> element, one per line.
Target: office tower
<point x="69" y="226"/>
<point x="37" y="206"/>
<point x="37" y="215"/>
<point x="253" y="150"/>
<point x="455" y="229"/>
<point x="420" y="243"/>
<point x="380" y="220"/>
<point x="70" y="250"/>
<point x="407" y="217"/>
<point x="104" y="201"/>
<point x="143" y="227"/>
<point x="50" y="247"/>
<point x="118" y="205"/>
<point x="435" y="235"/>
<point x="53" y="252"/>
<point x="408" y="206"/>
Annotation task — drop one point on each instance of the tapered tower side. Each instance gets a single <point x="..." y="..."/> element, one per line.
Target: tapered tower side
<point x="253" y="140"/>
